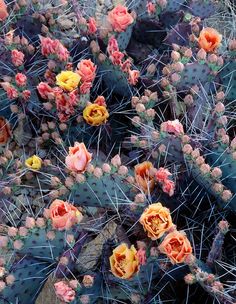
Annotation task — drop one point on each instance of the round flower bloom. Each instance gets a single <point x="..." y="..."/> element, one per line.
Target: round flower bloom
<point x="176" y="246"/>
<point x="64" y="215"/>
<point x="34" y="162"/>
<point x="5" y="131"/>
<point x="209" y="39"/>
<point x="124" y="261"/>
<point x="156" y="220"/>
<point x="21" y="79"/>
<point x="64" y="292"/>
<point x="17" y="58"/>
<point x="119" y="18"/>
<point x="143" y="177"/>
<point x="3" y="10"/>
<point x="86" y="69"/>
<point x="78" y="158"/>
<point x="95" y="115"/>
<point x="68" y="80"/>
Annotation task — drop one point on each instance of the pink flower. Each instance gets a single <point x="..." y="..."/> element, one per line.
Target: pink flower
<point x="26" y="95"/>
<point x="92" y="27"/>
<point x="53" y="47"/>
<point x="119" y="18"/>
<point x="116" y="57"/>
<point x="162" y="175"/>
<point x="168" y="187"/>
<point x="3" y="11"/>
<point x="126" y="66"/>
<point x="17" y="58"/>
<point x="100" y="100"/>
<point x="173" y="126"/>
<point x="112" y="46"/>
<point x="133" y="77"/>
<point x="64" y="292"/>
<point x="12" y="93"/>
<point x="20" y="79"/>
<point x="78" y="158"/>
<point x="85" y="87"/>
<point x="141" y="254"/>
<point x="86" y="69"/>
<point x="44" y="89"/>
<point x="151" y="8"/>
<point x="64" y="215"/>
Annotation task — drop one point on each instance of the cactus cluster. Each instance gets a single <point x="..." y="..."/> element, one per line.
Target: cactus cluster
<point x="117" y="151"/>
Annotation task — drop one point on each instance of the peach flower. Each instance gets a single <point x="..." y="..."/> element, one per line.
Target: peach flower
<point x="209" y="39"/>
<point x="12" y="92"/>
<point x="64" y="292"/>
<point x="17" y="58"/>
<point x="5" y="132"/>
<point x="44" y="90"/>
<point x="63" y="215"/>
<point x="116" y="57"/>
<point x="86" y="69"/>
<point x="92" y="27"/>
<point x="21" y="79"/>
<point x="119" y="18"/>
<point x="162" y="175"/>
<point x="143" y="176"/>
<point x="78" y="158"/>
<point x="3" y="11"/>
<point x="156" y="220"/>
<point x="168" y="187"/>
<point x="112" y="45"/>
<point x="133" y="77"/>
<point x="176" y="246"/>
<point x="151" y="8"/>
<point x="124" y="261"/>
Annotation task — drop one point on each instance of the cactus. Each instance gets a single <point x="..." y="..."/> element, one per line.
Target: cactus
<point x="117" y="151"/>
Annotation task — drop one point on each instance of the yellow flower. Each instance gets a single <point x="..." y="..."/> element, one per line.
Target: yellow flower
<point x="68" y="80"/>
<point x="95" y="115"/>
<point x="34" y="162"/>
<point x="124" y="261"/>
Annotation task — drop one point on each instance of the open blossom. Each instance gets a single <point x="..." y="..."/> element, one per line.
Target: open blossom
<point x="68" y="80"/>
<point x="87" y="70"/>
<point x="64" y="292"/>
<point x="3" y="10"/>
<point x="176" y="246"/>
<point x="162" y="175"/>
<point x="64" y="215"/>
<point x="151" y="8"/>
<point x="53" y="47"/>
<point x="168" y="187"/>
<point x="119" y="18"/>
<point x="12" y="92"/>
<point x="156" y="220"/>
<point x="20" y="79"/>
<point x="5" y="131"/>
<point x="133" y="77"/>
<point x="116" y="57"/>
<point x="95" y="115"/>
<point x="124" y="261"/>
<point x="173" y="126"/>
<point x="17" y="58"/>
<point x="34" y="162"/>
<point x="26" y="95"/>
<point x="144" y="177"/>
<point x="209" y="39"/>
<point x="92" y="27"/>
<point x="78" y="158"/>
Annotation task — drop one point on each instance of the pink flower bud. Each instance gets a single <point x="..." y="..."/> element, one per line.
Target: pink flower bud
<point x="216" y="172"/>
<point x="201" y="55"/>
<point x="205" y="168"/>
<point x="116" y="161"/>
<point x="226" y="195"/>
<point x="18" y="244"/>
<point x="219" y="108"/>
<point x="23" y="231"/>
<point x="175" y="56"/>
<point x="88" y="281"/>
<point x="29" y="222"/>
<point x="218" y="188"/>
<point x="12" y="231"/>
<point x="187" y="149"/>
<point x="200" y="160"/>
<point x="98" y="172"/>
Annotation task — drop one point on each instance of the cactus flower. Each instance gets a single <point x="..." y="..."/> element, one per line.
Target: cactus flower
<point x="34" y="162"/>
<point x="209" y="39"/>
<point x="68" y="80"/>
<point x="95" y="115"/>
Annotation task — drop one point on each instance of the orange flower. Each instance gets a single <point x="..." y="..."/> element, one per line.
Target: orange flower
<point x="209" y="39"/>
<point x="119" y="18"/>
<point x="78" y="158"/>
<point x="3" y="10"/>
<point x="156" y="220"/>
<point x="63" y="215"/>
<point x="5" y="131"/>
<point x="176" y="246"/>
<point x="124" y="261"/>
<point x="95" y="115"/>
<point x="144" y="176"/>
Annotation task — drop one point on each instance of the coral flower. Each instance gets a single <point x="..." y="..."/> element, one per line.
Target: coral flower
<point x="64" y="292"/>
<point x="133" y="76"/>
<point x="95" y="115"/>
<point x="119" y="18"/>
<point x="34" y="162"/>
<point x="17" y="58"/>
<point x="78" y="158"/>
<point x="86" y="69"/>
<point x="143" y="176"/>
<point x="176" y="246"/>
<point x="5" y="131"/>
<point x="209" y="39"/>
<point x="156" y="220"/>
<point x="172" y="126"/>
<point x="124" y="261"/>
<point x="68" y="80"/>
<point x="64" y="215"/>
<point x="3" y="11"/>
